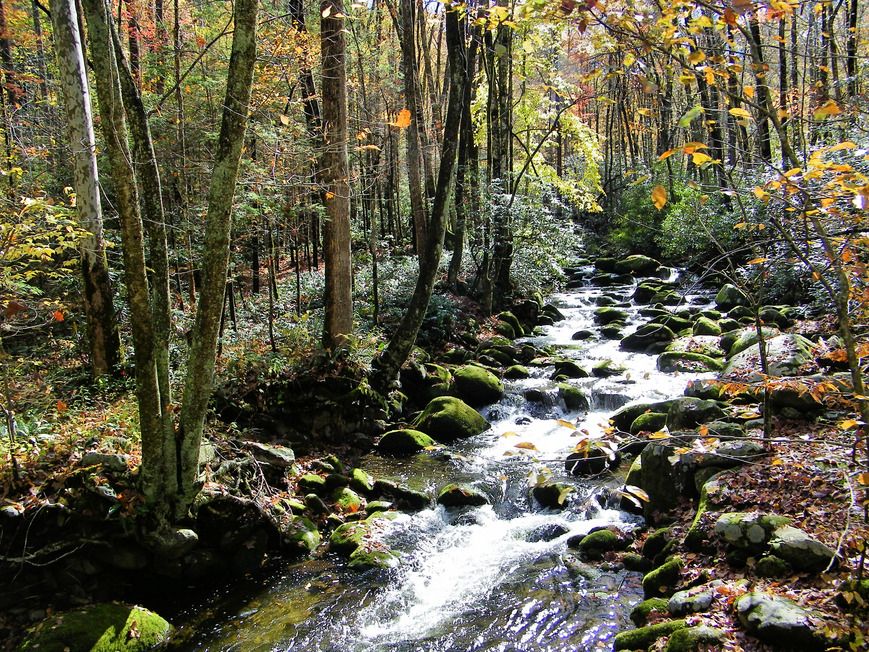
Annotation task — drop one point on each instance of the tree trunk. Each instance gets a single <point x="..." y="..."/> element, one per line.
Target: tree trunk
<point x="103" y="337"/>
<point x="386" y="365"/>
<point x="339" y="306"/>
<point x="215" y="264"/>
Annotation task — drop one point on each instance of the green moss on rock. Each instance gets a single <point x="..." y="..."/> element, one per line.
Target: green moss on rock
<point x="642" y="638"/>
<point x="664" y="579"/>
<point x="460" y="495"/>
<point x="477" y="386"/>
<point x="404" y="442"/>
<point x="640" y="614"/>
<point x="447" y="418"/>
<point x="106" y="627"/>
<point x="670" y="361"/>
<point x="691" y="639"/>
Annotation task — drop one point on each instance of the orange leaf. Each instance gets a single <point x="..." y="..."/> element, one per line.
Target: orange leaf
<point x="526" y="445"/>
<point x="402" y="120"/>
<point x="61" y="406"/>
<point x="58" y="315"/>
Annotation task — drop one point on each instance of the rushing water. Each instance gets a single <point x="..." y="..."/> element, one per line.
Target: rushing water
<point x="498" y="577"/>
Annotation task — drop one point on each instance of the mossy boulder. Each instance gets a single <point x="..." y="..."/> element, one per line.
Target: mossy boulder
<point x="697" y="599"/>
<point x="596" y="459"/>
<point x="447" y="418"/>
<point x="788" y="354"/>
<point x="552" y="495"/>
<point x="638" y="265"/>
<point x="625" y="416"/>
<point x="300" y="535"/>
<point x="607" y="369"/>
<point x="582" y="334"/>
<point x="477" y="386"/>
<point x="737" y="341"/>
<point x="594" y="545"/>
<point x="509" y="318"/>
<point x="658" y="542"/>
<point x="612" y="331"/>
<point x="348" y="501"/>
<point x="640" y="614"/>
<point x="642" y="638"/>
<point x="705" y="326"/>
<point x="348" y="537"/>
<point x="104" y="627"/>
<point x="649" y="338"/>
<point x="361" y="481"/>
<point x="648" y="422"/>
<point x="311" y="483"/>
<point x="705" y="344"/>
<point x="692" y="639"/>
<point x="772" y="567"/>
<point x="748" y="530"/>
<point x="568" y="369"/>
<point x="574" y="397"/>
<point x="644" y="292"/>
<point x="686" y="412"/>
<point x="608" y="314"/>
<point x="730" y="296"/>
<point x="462" y="495"/>
<point x="516" y="371"/>
<point x="663" y="580"/>
<point x="404" y="442"/>
<point x="364" y="558"/>
<point x="675" y="323"/>
<point x="671" y="361"/>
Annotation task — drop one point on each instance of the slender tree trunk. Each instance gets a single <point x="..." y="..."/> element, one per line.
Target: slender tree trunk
<point x="756" y="45"/>
<point x="386" y="365"/>
<point x="103" y="337"/>
<point x="339" y="306"/>
<point x="851" y="49"/>
<point x="218" y="225"/>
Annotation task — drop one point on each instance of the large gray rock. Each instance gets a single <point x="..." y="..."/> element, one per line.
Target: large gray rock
<point x="705" y="344"/>
<point x="787" y="355"/>
<point x="625" y="416"/>
<point x="649" y="338"/>
<point x="748" y="530"/>
<point x="462" y="495"/>
<point x="779" y="621"/>
<point x="694" y="600"/>
<point x="730" y="296"/>
<point x="670" y="361"/>
<point x="638" y="265"/>
<point x="800" y="550"/>
<point x="608" y="315"/>
<point x="740" y="339"/>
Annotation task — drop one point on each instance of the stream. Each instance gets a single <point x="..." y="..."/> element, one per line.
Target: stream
<point x="498" y="577"/>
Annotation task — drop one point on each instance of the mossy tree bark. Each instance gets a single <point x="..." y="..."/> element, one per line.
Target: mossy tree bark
<point x="215" y="263"/>
<point x="386" y="366"/>
<point x="339" y="305"/>
<point x="103" y="337"/>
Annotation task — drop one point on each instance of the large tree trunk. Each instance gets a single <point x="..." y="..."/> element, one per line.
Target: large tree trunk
<point x="103" y="338"/>
<point x="157" y="484"/>
<point x="215" y="263"/>
<point x="386" y="366"/>
<point x="339" y="306"/>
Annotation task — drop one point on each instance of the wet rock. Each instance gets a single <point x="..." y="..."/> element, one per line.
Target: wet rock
<point x="583" y="334"/>
<point x="348" y="501"/>
<point x="404" y="442"/>
<point x="462" y="495"/>
<point x="649" y="338"/>
<point x="574" y="397"/>
<point x="694" y="600"/>
<point x="748" y="530"/>
<point x="594" y="461"/>
<point x="787" y="355"/>
<point x="569" y="369"/>
<point x="509" y="318"/>
<point x="375" y="506"/>
<point x="105" y="627"/>
<point x="552" y="495"/>
<point x="594" y="545"/>
<point x="604" y="300"/>
<point x="634" y="562"/>
<point x="773" y="315"/>
<point x="663" y="580"/>
<point x="516" y="371"/>
<point x="730" y="296"/>
<point x="552" y="312"/>
<point x="692" y="639"/>
<point x="361" y="481"/>
<point x="642" y="638"/>
<point x="300" y="535"/>
<point x="315" y="504"/>
<point x="607" y="369"/>
<point x="477" y="386"/>
<point x="705" y="344"/>
<point x="638" y="265"/>
<point x="725" y="430"/>
<point x="608" y="314"/>
<point x="605" y="264"/>
<point x="676" y="323"/>
<point x="648" y="422"/>
<point x="311" y="483"/>
<point x="625" y="416"/>
<point x="658" y="542"/>
<point x="363" y="559"/>
<point x="685" y="361"/>
<point x="404" y="497"/>
<point x="737" y="341"/>
<point x="800" y="550"/>
<point x="612" y="331"/>
<point x="447" y="418"/>
<point x="706" y="389"/>
<point x="548" y="532"/>
<point x="640" y="614"/>
<point x="779" y="621"/>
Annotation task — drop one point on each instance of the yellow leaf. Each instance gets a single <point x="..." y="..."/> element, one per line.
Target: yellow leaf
<point x="526" y="445"/>
<point x="749" y="91"/>
<point x="703" y="430"/>
<point x="847" y="424"/>
<point x="863" y="479"/>
<point x="845" y="144"/>
<point x="709" y="73"/>
<point x="699" y="158"/>
<point x="696" y="57"/>
<point x="285" y="120"/>
<point x="659" y="197"/>
<point x="402" y="120"/>
<point x="693" y="146"/>
<point x="660" y="435"/>
<point x="739" y="113"/>
<point x="330" y="195"/>
<point x="565" y="424"/>
<point x="760" y="193"/>
<point x="645" y="112"/>
<point x="828" y="108"/>
<point x="758" y="261"/>
<point x="510" y="433"/>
